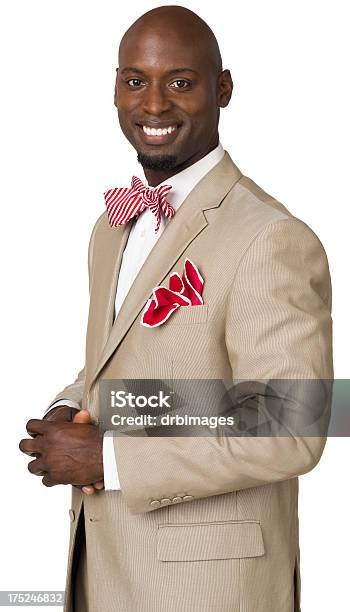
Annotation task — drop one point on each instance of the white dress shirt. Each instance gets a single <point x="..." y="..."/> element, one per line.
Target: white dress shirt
<point x="141" y="240"/>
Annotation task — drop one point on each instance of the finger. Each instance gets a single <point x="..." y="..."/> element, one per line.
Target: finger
<point x="99" y="485"/>
<point x="36" y="426"/>
<point x="36" y="467"/>
<point x="29" y="446"/>
<point x="47" y="482"/>
<point x="83" y="416"/>
<point x="88" y="490"/>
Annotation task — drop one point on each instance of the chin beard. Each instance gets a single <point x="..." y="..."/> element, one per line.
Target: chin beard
<point x="157" y="162"/>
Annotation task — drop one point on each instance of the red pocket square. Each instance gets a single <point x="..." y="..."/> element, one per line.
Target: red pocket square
<point x="185" y="290"/>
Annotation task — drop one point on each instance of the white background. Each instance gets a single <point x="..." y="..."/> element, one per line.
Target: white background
<point x="286" y="127"/>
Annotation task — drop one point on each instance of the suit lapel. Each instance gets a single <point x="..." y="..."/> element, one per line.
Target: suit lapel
<point x="188" y="222"/>
<point x="105" y="267"/>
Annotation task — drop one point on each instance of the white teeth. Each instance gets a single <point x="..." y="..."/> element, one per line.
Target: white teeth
<point x="159" y="131"/>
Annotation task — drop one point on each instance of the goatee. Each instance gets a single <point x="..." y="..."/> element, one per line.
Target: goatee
<point x="157" y="162"/>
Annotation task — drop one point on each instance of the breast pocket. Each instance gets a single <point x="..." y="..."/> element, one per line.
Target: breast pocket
<point x="189" y="315"/>
<point x="182" y="336"/>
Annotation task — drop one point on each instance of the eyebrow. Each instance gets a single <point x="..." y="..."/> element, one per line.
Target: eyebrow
<point x="174" y="71"/>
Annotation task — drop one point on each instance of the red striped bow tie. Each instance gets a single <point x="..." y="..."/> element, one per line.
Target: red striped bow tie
<point x="124" y="203"/>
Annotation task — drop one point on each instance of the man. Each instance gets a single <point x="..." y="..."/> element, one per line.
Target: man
<point x="187" y="523"/>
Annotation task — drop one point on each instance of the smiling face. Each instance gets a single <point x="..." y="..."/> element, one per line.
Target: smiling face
<point x="168" y="92"/>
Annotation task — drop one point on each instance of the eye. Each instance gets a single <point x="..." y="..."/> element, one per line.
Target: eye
<point x="180" y="84"/>
<point x="134" y="83"/>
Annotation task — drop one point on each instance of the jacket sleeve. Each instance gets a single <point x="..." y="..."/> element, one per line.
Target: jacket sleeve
<point x="74" y="391"/>
<point x="278" y="325"/>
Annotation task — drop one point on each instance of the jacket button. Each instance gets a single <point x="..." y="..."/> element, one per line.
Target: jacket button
<point x="176" y="500"/>
<point x="71" y="515"/>
<point x="165" y="501"/>
<point x="187" y="497"/>
<point x="155" y="503"/>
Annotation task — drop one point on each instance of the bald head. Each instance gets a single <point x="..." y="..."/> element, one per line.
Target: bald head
<point x="181" y="23"/>
<point x="169" y="89"/>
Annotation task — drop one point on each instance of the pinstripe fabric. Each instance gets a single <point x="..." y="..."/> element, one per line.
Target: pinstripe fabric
<point x="206" y="523"/>
<point x="205" y="541"/>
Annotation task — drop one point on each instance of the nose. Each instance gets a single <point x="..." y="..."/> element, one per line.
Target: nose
<point x="155" y="100"/>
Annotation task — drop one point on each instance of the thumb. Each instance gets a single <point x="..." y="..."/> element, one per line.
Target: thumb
<point x="83" y="416"/>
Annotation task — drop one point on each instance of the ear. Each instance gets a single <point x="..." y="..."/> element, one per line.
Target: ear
<point x="224" y="89"/>
<point x="116" y="89"/>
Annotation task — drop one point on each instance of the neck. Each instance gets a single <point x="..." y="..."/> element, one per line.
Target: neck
<point x="155" y="177"/>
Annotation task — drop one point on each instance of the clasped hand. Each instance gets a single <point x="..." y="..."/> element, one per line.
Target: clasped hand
<point x="67" y="451"/>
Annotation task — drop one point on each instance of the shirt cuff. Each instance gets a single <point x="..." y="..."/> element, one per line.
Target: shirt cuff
<point x="110" y="471"/>
<point x="62" y="402"/>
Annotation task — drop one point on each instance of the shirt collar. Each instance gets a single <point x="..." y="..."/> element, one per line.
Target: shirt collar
<point x="183" y="182"/>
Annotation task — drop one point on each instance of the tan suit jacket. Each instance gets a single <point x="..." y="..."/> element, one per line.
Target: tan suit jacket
<point x="205" y="523"/>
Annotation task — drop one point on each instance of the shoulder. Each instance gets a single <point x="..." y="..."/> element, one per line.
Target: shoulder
<point x="263" y="217"/>
<point x="281" y="247"/>
<point x="101" y="224"/>
<point x="100" y="229"/>
<point x="98" y="226"/>
<point x="253" y="201"/>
